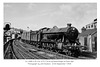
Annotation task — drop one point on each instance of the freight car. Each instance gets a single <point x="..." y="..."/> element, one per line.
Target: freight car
<point x="55" y="39"/>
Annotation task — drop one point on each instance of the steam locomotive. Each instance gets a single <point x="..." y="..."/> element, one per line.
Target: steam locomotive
<point x="63" y="40"/>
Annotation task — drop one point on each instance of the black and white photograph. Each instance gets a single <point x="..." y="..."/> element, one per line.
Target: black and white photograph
<point x="50" y="31"/>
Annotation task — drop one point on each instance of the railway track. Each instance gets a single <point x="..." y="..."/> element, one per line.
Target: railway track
<point x="33" y="55"/>
<point x="21" y="54"/>
<point x="44" y="53"/>
<point x="8" y="51"/>
<point x="58" y="55"/>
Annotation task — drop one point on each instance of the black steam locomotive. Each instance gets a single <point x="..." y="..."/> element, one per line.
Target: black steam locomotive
<point x="63" y="40"/>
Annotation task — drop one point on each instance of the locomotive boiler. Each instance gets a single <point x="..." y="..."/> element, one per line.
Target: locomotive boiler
<point x="67" y="33"/>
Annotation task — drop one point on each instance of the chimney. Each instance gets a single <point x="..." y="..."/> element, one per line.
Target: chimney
<point x="69" y="25"/>
<point x="83" y="29"/>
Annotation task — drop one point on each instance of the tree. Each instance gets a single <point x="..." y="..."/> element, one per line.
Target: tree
<point x="7" y="27"/>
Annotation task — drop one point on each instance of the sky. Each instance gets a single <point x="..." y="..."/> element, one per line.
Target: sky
<point x="39" y="15"/>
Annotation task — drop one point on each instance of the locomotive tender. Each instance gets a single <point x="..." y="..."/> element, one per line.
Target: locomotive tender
<point x="55" y="39"/>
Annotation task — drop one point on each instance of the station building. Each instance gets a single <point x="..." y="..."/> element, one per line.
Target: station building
<point x="88" y="36"/>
